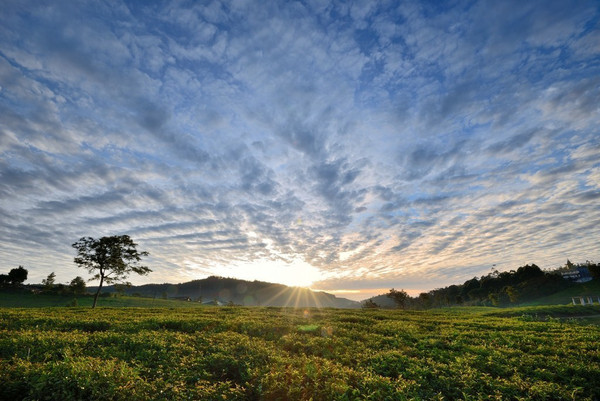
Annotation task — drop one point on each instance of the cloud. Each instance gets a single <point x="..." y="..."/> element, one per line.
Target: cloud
<point x="381" y="143"/>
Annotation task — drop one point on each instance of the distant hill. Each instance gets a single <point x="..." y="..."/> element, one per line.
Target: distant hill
<point x="240" y="292"/>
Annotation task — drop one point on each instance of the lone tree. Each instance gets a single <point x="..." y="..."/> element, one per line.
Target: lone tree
<point x="110" y="259"/>
<point x="399" y="297"/>
<point x="77" y="285"/>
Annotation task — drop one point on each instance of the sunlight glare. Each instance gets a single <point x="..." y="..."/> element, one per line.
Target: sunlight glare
<point x="298" y="273"/>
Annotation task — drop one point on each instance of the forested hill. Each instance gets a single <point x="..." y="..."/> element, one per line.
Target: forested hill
<point x="524" y="285"/>
<point x="240" y="292"/>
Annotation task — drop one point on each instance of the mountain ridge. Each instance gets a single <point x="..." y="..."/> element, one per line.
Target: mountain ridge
<point x="226" y="290"/>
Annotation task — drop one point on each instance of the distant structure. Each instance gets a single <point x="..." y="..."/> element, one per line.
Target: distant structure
<point x="585" y="300"/>
<point x="578" y="274"/>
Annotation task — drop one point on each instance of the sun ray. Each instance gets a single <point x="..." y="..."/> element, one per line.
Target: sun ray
<point x="277" y="295"/>
<point x="316" y="299"/>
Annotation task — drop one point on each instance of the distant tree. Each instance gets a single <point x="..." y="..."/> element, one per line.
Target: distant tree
<point x="110" y="259"/>
<point x="425" y="299"/>
<point x="399" y="297"/>
<point x="77" y="285"/>
<point x="49" y="281"/>
<point x="513" y="294"/>
<point x="121" y="287"/>
<point x="594" y="269"/>
<point x="493" y="299"/>
<point x="17" y="276"/>
<point x="61" y="289"/>
<point x="370" y="304"/>
<point x="4" y="280"/>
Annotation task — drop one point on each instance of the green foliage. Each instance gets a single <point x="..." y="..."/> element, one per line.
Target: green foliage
<point x="399" y="297"/>
<point x="286" y="354"/>
<point x="26" y="299"/>
<point x="77" y="285"/>
<point x="14" y="278"/>
<point x="49" y="281"/>
<point x="497" y="289"/>
<point x="370" y="304"/>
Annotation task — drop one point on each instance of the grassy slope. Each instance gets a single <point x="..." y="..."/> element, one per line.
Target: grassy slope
<point x="28" y="300"/>
<point x="591" y="288"/>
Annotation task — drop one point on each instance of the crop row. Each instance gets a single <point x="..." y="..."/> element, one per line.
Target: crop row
<point x="287" y="354"/>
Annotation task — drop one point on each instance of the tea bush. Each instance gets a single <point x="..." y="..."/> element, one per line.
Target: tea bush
<point x="286" y="354"/>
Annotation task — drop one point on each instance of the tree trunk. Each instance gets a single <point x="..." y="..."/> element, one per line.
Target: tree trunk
<point x="98" y="292"/>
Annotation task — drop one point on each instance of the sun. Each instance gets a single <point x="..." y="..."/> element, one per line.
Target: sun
<point x="296" y="273"/>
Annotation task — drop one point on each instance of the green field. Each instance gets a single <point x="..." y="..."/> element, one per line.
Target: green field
<point x="25" y="299"/>
<point x="286" y="354"/>
<point x="590" y="288"/>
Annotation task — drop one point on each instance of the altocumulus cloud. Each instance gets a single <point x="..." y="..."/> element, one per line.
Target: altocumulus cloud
<point x="386" y="145"/>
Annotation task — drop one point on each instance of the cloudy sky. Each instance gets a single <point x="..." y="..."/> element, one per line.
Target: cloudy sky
<point x="345" y="146"/>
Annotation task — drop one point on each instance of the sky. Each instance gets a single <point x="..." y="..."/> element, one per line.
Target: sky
<point x="350" y="147"/>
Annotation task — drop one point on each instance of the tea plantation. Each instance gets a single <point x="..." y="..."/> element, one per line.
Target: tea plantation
<point x="239" y="353"/>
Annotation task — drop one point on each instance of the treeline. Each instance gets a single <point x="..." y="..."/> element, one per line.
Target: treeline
<point x="77" y="286"/>
<point x="527" y="283"/>
<point x="497" y="289"/>
<point x="16" y="277"/>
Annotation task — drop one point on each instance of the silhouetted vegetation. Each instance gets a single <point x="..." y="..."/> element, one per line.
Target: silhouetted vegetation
<point x="109" y="259"/>
<point x="500" y="289"/>
<point x="523" y="285"/>
<point x="400" y="298"/>
<point x="14" y="278"/>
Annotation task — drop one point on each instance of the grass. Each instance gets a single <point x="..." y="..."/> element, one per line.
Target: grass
<point x="288" y="354"/>
<point x="11" y="299"/>
<point x="591" y="288"/>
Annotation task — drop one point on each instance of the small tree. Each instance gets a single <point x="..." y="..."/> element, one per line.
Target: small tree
<point x="399" y="297"/>
<point x="110" y="259"/>
<point x="17" y="276"/>
<point x="49" y="281"/>
<point x="425" y="300"/>
<point x="513" y="294"/>
<point x="77" y="285"/>
<point x="370" y="304"/>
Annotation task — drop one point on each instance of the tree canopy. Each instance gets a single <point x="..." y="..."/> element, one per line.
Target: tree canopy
<point x="77" y="285"/>
<point x="49" y="281"/>
<point x="399" y="297"/>
<point x="109" y="259"/>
